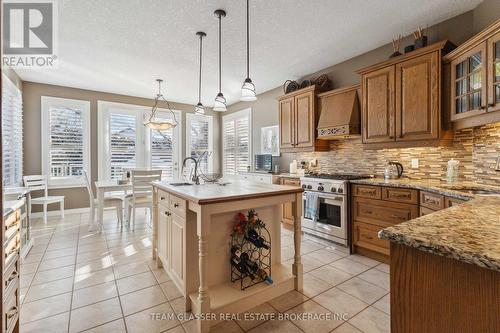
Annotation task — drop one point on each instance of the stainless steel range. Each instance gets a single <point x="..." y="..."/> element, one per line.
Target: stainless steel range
<point x="331" y="219"/>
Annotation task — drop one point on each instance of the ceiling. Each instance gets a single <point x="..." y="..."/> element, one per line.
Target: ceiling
<point x="123" y="46"/>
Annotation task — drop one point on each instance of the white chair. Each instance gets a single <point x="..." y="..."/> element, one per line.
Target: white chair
<point x="39" y="183"/>
<point x="142" y="192"/>
<point x="112" y="201"/>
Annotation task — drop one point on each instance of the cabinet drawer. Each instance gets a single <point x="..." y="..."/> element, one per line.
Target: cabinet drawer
<point x="450" y="202"/>
<point x="163" y="198"/>
<point x="290" y="181"/>
<point x="403" y="195"/>
<point x="367" y="191"/>
<point x="366" y="236"/>
<point x="11" y="310"/>
<point x="382" y="213"/>
<point x="178" y="206"/>
<point x="431" y="200"/>
<point x="12" y="219"/>
<point x="426" y="211"/>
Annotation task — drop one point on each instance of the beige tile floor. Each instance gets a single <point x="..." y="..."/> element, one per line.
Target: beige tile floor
<point x="74" y="280"/>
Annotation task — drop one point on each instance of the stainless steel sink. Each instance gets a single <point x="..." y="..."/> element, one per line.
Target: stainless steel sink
<point x="181" y="184"/>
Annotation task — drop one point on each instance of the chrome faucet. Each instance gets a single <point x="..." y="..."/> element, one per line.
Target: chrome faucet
<point x="196" y="178"/>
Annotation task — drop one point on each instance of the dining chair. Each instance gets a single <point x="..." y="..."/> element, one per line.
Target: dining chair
<point x="111" y="201"/>
<point x="142" y="192"/>
<point x="39" y="183"/>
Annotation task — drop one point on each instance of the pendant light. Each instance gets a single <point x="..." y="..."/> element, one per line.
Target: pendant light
<point x="248" y="88"/>
<point x="154" y="122"/>
<point x="200" y="109"/>
<point x="220" y="100"/>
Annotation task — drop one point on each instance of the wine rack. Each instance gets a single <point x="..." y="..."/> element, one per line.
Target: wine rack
<point x="259" y="255"/>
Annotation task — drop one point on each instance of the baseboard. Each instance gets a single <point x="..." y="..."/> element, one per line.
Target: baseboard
<point x="66" y="211"/>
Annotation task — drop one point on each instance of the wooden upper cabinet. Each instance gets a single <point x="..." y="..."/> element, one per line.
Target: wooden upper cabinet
<point x="378" y="107"/>
<point x="304" y="120"/>
<point x="417" y="98"/>
<point x="474" y="79"/>
<point x="402" y="100"/>
<point x="493" y="72"/>
<point x="286" y="113"/>
<point x="298" y="120"/>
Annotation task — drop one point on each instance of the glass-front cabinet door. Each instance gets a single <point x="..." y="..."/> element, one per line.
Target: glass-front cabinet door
<point x="468" y="88"/>
<point x="494" y="73"/>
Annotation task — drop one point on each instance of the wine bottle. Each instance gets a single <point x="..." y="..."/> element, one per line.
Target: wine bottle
<point x="255" y="239"/>
<point x="241" y="267"/>
<point x="251" y="265"/>
<point x="263" y="275"/>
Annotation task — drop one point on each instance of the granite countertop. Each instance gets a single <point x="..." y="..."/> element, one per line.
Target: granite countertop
<point x="231" y="191"/>
<point x="469" y="232"/>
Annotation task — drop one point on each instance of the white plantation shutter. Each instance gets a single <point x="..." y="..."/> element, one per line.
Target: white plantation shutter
<point x="12" y="133"/>
<point x="199" y="140"/>
<point x="236" y="142"/>
<point x="162" y="150"/>
<point x="65" y="129"/>
<point x="123" y="136"/>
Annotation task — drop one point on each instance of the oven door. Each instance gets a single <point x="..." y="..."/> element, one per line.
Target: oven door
<point x="332" y="214"/>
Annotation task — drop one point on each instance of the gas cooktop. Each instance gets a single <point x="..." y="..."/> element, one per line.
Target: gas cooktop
<point x="336" y="176"/>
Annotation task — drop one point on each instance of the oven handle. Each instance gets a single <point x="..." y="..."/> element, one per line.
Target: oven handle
<point x="326" y="196"/>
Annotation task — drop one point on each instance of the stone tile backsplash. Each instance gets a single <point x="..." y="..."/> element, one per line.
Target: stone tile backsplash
<point x="476" y="148"/>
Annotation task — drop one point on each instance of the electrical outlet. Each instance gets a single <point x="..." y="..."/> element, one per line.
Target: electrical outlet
<point x="414" y="163"/>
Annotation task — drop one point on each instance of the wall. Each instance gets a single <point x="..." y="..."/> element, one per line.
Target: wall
<point x="349" y="156"/>
<point x="32" y="93"/>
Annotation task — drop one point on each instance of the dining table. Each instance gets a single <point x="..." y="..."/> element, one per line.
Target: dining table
<point x="103" y="187"/>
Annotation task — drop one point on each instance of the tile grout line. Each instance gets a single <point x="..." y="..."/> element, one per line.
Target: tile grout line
<point x="74" y="275"/>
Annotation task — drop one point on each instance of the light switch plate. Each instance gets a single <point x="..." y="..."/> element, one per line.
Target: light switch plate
<point x="414" y="163"/>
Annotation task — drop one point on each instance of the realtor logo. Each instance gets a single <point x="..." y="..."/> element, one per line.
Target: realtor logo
<point x="29" y="33"/>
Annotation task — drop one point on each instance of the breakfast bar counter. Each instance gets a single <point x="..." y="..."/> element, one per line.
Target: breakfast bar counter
<point x="193" y="228"/>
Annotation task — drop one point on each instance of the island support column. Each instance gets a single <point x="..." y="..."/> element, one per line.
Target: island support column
<point x="203" y="231"/>
<point x="297" y="268"/>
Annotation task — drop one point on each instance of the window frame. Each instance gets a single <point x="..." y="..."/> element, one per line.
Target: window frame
<point x="189" y="118"/>
<point x="143" y="136"/>
<point x="232" y="117"/>
<point x="84" y="105"/>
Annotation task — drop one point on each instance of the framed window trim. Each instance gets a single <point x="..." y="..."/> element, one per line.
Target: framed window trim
<point x="239" y="114"/>
<point x="143" y="138"/>
<point x="189" y="118"/>
<point x="71" y="181"/>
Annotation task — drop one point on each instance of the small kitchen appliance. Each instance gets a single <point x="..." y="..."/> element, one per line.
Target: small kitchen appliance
<point x="393" y="170"/>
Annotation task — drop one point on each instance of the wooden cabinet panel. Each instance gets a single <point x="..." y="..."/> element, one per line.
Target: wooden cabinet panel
<point x="493" y="72"/>
<point x="367" y="191"/>
<point x="290" y="181"/>
<point x="382" y="213"/>
<point x="178" y="206"/>
<point x="366" y="236"/>
<point x="286" y="208"/>
<point x="403" y="195"/>
<point x="163" y="236"/>
<point x="286" y="118"/>
<point x="304" y="120"/>
<point x="378" y="105"/>
<point x="449" y="202"/>
<point x="163" y="198"/>
<point x="417" y="98"/>
<point x="177" y="244"/>
<point x="426" y="211"/>
<point x="431" y="200"/>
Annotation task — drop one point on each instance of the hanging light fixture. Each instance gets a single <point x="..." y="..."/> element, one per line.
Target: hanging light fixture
<point x="220" y="100"/>
<point x="248" y="88"/>
<point x="200" y="109"/>
<point x="155" y="122"/>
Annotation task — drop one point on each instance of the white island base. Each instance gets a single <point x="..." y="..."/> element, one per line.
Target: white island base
<point x="191" y="241"/>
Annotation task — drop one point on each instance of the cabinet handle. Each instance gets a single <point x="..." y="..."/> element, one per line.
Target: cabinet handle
<point x="167" y="213"/>
<point x="12" y="312"/>
<point x="397" y="217"/>
<point x="176" y="205"/>
<point x="366" y="211"/>
<point x="400" y="195"/>
<point x="162" y="198"/>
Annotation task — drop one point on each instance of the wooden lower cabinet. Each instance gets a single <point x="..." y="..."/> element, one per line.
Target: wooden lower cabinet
<point x="286" y="210"/>
<point x="366" y="236"/>
<point x="178" y="235"/>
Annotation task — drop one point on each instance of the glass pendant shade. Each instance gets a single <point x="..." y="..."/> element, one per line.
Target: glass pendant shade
<point x="199" y="109"/>
<point x="160" y="123"/>
<point x="248" y="91"/>
<point x="220" y="103"/>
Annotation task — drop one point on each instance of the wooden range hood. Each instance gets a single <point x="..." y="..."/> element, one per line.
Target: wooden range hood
<point x="339" y="113"/>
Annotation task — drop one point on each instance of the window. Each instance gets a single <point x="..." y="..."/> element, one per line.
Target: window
<point x="236" y="136"/>
<point x="199" y="140"/>
<point x="65" y="140"/>
<point x="124" y="142"/>
<point x="12" y="133"/>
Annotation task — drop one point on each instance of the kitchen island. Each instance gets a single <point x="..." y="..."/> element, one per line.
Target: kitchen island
<point x="445" y="266"/>
<point x="192" y="227"/>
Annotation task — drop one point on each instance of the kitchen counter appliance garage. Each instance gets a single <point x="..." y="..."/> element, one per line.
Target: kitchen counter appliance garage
<point x="329" y="193"/>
